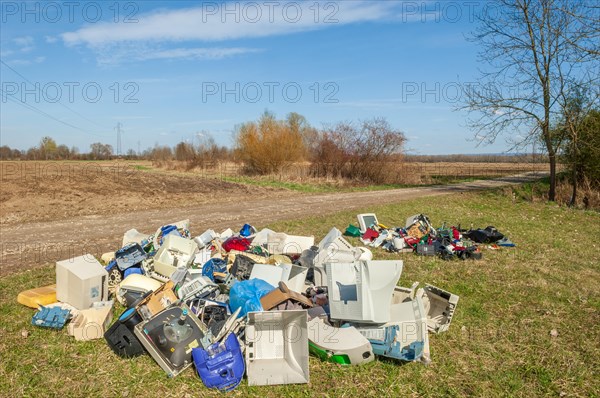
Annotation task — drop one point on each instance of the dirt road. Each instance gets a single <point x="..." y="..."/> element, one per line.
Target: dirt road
<point x="25" y="246"/>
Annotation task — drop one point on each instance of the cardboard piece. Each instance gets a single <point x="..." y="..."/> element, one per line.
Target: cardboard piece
<point x="282" y="294"/>
<point x="161" y="298"/>
<point x="90" y="324"/>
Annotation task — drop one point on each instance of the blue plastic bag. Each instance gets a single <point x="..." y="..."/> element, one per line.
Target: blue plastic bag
<point x="246" y="230"/>
<point x="246" y="295"/>
<point x="214" y="265"/>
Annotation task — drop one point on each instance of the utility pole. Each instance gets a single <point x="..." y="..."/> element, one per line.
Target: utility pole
<point x="139" y="146"/>
<point x="118" y="128"/>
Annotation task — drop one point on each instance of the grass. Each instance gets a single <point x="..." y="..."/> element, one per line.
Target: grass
<point x="327" y="187"/>
<point x="446" y="179"/>
<point x="313" y="185"/>
<point x="499" y="343"/>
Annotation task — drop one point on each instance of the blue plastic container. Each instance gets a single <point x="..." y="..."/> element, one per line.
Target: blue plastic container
<point x="221" y="365"/>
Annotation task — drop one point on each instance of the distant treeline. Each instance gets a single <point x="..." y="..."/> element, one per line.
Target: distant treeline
<point x="479" y="158"/>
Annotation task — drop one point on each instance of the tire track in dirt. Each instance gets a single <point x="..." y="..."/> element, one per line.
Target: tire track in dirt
<point x="29" y="245"/>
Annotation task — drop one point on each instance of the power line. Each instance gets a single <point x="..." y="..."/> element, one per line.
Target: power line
<point x="33" y="108"/>
<point x="118" y="128"/>
<point x="58" y="102"/>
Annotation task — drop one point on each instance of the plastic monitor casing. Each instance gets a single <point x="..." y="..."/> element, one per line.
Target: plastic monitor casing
<point x="261" y="237"/>
<point x="439" y="306"/>
<point x="137" y="285"/>
<point x="360" y="291"/>
<point x="81" y="281"/>
<point x="333" y="248"/>
<point x="145" y="329"/>
<point x="281" y="243"/>
<point x="174" y="252"/>
<point x="365" y="221"/>
<point x="293" y="275"/>
<point x="205" y="238"/>
<point x="277" y="347"/>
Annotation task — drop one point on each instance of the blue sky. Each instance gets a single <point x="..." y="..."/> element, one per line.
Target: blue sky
<point x="171" y="70"/>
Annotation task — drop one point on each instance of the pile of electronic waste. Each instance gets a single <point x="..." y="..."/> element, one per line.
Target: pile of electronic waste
<point x="419" y="236"/>
<point x="252" y="303"/>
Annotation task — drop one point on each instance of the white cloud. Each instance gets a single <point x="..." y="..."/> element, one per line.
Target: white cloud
<point x="134" y="52"/>
<point x="51" y="39"/>
<point x="23" y="41"/>
<point x="194" y="53"/>
<point x="152" y="34"/>
<point x="25" y="62"/>
<point x="207" y="24"/>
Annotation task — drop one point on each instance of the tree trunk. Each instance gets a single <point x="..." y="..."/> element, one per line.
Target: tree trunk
<point x="574" y="194"/>
<point x="552" y="192"/>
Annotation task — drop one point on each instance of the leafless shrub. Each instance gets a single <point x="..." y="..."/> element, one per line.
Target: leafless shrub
<point x="270" y="145"/>
<point x="362" y="152"/>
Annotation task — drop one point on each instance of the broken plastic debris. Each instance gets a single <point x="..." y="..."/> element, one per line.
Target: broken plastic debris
<point x="277" y="348"/>
<point x="361" y="291"/>
<point x="346" y="346"/>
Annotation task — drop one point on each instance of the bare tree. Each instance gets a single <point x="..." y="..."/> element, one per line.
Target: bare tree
<point x="360" y="151"/>
<point x="535" y="50"/>
<point x="100" y="151"/>
<point x="47" y="148"/>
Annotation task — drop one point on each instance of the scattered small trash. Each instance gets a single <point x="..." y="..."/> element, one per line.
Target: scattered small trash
<point x="258" y="302"/>
<point x="419" y="236"/>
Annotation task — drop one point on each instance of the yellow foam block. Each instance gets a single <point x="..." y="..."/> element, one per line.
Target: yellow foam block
<point x="39" y="296"/>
